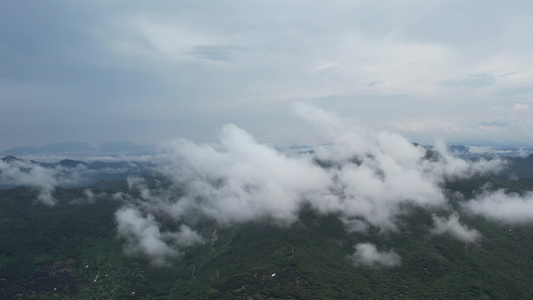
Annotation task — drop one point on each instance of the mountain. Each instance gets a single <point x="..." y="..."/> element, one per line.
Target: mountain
<point x="520" y="167"/>
<point x="70" y="173"/>
<point x="472" y="151"/>
<point x="98" y="240"/>
<point x="72" y="251"/>
<point x="81" y="149"/>
<point x="66" y="147"/>
<point x="63" y="253"/>
<point x="69" y="163"/>
<point x="9" y="159"/>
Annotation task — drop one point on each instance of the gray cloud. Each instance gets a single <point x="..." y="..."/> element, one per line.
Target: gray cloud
<point x="149" y="72"/>
<point x="517" y="91"/>
<point x="475" y="81"/>
<point x="217" y="53"/>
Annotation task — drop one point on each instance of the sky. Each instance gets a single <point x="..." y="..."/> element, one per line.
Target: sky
<point x="148" y="72"/>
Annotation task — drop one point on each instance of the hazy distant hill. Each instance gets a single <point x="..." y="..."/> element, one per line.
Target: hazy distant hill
<point x="470" y="151"/>
<point x="123" y="147"/>
<point x="80" y="148"/>
<point x="520" y="167"/>
<point x="52" y="148"/>
<point x="73" y="173"/>
<point x="9" y="159"/>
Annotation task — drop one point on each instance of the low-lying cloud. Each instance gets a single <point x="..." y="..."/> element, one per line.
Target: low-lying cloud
<point x="143" y="236"/>
<point x="241" y="180"/>
<point x="507" y="208"/>
<point x="452" y="226"/>
<point x="366" y="178"/>
<point x="23" y="173"/>
<point x="367" y="254"/>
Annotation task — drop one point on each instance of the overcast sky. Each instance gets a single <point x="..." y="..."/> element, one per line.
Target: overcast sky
<point x="146" y="72"/>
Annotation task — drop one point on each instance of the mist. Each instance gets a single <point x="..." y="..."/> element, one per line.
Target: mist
<point x="367" y="254"/>
<point x="366" y="178"/>
<point x="453" y="226"/>
<point x="23" y="173"/>
<point x="508" y="208"/>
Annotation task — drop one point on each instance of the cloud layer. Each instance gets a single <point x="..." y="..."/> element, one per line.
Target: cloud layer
<point x="366" y="178"/>
<point x="507" y="208"/>
<point x="439" y="68"/>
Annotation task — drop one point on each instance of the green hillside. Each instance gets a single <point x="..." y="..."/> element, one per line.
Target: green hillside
<point x="72" y="251"/>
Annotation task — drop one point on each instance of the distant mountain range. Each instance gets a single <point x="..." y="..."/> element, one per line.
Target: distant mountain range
<point x="470" y="151"/>
<point x="462" y="151"/>
<point x="88" y="173"/>
<point x="81" y="148"/>
<point x="72" y="173"/>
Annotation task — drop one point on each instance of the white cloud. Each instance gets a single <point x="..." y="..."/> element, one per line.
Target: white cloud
<point x="482" y="150"/>
<point x="452" y="226"/>
<point x="450" y="166"/>
<point x="368" y="255"/>
<point x="23" y="173"/>
<point x="388" y="170"/>
<point x="370" y="178"/>
<point x="520" y="107"/>
<point x="143" y="236"/>
<point x="508" y="208"/>
<point x="186" y="237"/>
<point x="244" y="180"/>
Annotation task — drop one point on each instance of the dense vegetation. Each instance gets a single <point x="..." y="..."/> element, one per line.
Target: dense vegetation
<point x="72" y="251"/>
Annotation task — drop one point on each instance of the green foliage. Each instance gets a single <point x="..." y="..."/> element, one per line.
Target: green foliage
<point x="72" y="251"/>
